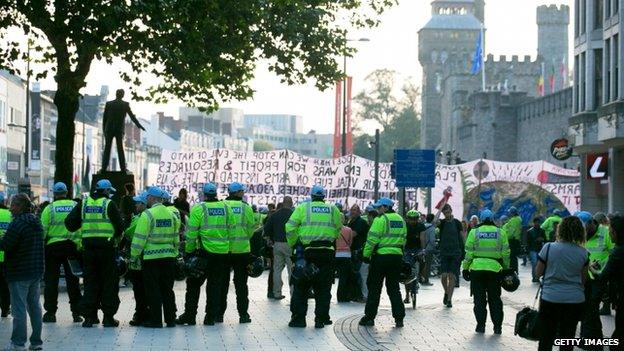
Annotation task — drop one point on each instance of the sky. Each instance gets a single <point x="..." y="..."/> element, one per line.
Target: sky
<point x="511" y="30"/>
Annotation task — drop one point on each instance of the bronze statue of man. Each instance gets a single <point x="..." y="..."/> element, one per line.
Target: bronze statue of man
<point x="114" y="121"/>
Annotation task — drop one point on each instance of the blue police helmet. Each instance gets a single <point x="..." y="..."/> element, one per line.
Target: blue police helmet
<point x="210" y="189"/>
<point x="235" y="187"/>
<point x="384" y="201"/>
<point x="584" y="216"/>
<point x="105" y="184"/>
<point x="318" y="191"/>
<point x="155" y="192"/>
<point x="485" y="215"/>
<point x="59" y="188"/>
<point x="513" y="211"/>
<point x="142" y="198"/>
<point x="369" y="208"/>
<point x="558" y="212"/>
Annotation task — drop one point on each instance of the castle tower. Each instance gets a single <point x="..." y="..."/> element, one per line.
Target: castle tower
<point x="451" y="32"/>
<point x="552" y="42"/>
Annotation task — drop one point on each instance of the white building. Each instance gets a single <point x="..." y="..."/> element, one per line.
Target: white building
<point x="13" y="126"/>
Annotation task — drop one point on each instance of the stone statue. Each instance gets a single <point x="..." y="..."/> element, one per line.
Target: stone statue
<point x="114" y="121"/>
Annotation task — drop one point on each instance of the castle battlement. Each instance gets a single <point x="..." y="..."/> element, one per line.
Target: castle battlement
<point x="526" y="59"/>
<point x="553" y="14"/>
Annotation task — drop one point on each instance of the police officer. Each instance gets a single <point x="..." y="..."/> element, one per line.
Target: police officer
<point x="134" y="269"/>
<point x="603" y="228"/>
<point x="207" y="236"/>
<point x="239" y="256"/>
<point x="384" y="251"/>
<point x="598" y="244"/>
<point x="315" y="225"/>
<point x="59" y="248"/>
<point x="155" y="243"/>
<point x="487" y="254"/>
<point x="551" y="223"/>
<point x="5" y="296"/>
<point x="513" y="231"/>
<point x="100" y="225"/>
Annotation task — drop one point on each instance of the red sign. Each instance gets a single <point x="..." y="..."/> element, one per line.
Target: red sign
<point x="348" y="117"/>
<point x="597" y="166"/>
<point x="337" y="128"/>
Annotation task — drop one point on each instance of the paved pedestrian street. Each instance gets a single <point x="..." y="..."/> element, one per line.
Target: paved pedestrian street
<point x="431" y="327"/>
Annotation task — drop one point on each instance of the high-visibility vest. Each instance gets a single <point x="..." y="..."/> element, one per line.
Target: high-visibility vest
<point x="156" y="234"/>
<point x="53" y="221"/>
<point x="386" y="235"/>
<point x="513" y="228"/>
<point x="95" y="221"/>
<point x="599" y="246"/>
<point x="243" y="229"/>
<point x="487" y="249"/>
<point x="208" y="228"/>
<point x="5" y="220"/>
<point x="549" y="226"/>
<point x="313" y="221"/>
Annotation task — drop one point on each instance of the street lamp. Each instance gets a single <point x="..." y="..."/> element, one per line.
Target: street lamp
<point x="376" y="182"/>
<point x="344" y="98"/>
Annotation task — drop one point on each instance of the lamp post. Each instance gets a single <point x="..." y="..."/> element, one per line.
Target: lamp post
<point x="344" y="99"/>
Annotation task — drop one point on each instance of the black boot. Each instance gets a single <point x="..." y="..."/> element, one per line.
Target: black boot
<point x="186" y="319"/>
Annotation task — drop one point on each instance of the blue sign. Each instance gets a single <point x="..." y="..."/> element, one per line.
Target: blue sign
<point x="414" y="168"/>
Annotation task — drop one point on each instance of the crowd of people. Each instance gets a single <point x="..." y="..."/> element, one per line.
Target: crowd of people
<point x="577" y="260"/>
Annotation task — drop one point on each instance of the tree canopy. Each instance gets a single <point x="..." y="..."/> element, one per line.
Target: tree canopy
<point x="202" y="52"/>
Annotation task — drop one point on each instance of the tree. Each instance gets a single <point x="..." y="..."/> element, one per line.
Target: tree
<point x="397" y="116"/>
<point x="202" y="52"/>
<point x="262" y="145"/>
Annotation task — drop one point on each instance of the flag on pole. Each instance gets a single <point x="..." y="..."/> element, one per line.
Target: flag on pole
<point x="540" y="83"/>
<point x="477" y="60"/>
<point x="551" y="79"/>
<point x="564" y="73"/>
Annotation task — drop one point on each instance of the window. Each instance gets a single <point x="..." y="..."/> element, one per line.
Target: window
<point x="598" y="13"/>
<point x="2" y="114"/>
<point x="583" y="79"/>
<point x="576" y="18"/>
<point x="583" y="16"/>
<point x="598" y="98"/>
<point x="615" y="7"/>
<point x="607" y="70"/>
<point x="616" y="67"/>
<point x="577" y="84"/>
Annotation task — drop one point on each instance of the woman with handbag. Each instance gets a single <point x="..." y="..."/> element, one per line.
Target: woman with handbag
<point x="564" y="266"/>
<point x="613" y="274"/>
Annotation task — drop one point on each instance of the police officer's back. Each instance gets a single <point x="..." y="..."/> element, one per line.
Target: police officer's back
<point x="384" y="251"/>
<point x="100" y="224"/>
<point x="314" y="227"/>
<point x="60" y="246"/>
<point x="487" y="256"/>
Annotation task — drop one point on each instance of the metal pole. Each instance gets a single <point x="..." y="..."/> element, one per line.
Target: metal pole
<point x="26" y="160"/>
<point x="344" y="108"/>
<point x="376" y="184"/>
<point x="482" y="58"/>
<point x="83" y="141"/>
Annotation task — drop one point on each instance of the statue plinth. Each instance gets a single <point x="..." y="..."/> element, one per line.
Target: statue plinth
<point x="118" y="179"/>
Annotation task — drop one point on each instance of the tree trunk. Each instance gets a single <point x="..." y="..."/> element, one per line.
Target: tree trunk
<point x="66" y="101"/>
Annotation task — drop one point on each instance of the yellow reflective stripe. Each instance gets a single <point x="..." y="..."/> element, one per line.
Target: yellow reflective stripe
<point x="140" y="236"/>
<point x="93" y="220"/>
<point x="315" y="237"/>
<point x="239" y="238"/>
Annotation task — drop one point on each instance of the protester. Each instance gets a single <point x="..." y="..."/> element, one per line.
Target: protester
<point x="564" y="266"/>
<point x="23" y="266"/>
<point x="5" y="297"/>
<point x="451" y="247"/>
<point x="536" y="236"/>
<point x="429" y="245"/>
<point x="344" y="265"/>
<point x="360" y="229"/>
<point x="613" y="274"/>
<point x="275" y="233"/>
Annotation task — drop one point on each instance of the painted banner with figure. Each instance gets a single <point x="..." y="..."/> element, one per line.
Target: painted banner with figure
<point x="533" y="187"/>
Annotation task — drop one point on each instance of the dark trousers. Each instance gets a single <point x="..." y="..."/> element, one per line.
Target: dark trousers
<point x="57" y="254"/>
<point x="101" y="282"/>
<point x="5" y="295"/>
<point x="215" y="272"/>
<point x="514" y="251"/>
<point x="591" y="326"/>
<point x="425" y="270"/>
<point x="346" y="279"/>
<point x="558" y="320"/>
<point x="158" y="278"/>
<point x="237" y="263"/>
<point x="618" y="333"/>
<point x="108" y="137"/>
<point x="357" y="264"/>
<point x="138" y="290"/>
<point x="386" y="267"/>
<point x="486" y="290"/>
<point x="322" y="282"/>
<point x="270" y="292"/>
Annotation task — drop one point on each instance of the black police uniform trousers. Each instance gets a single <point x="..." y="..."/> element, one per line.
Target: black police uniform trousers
<point x="321" y="283"/>
<point x="57" y="254"/>
<point x="591" y="326"/>
<point x="5" y="296"/>
<point x="515" y="248"/>
<point x="138" y="290"/>
<point x="101" y="281"/>
<point x="158" y="279"/>
<point x="388" y="268"/>
<point x="216" y="265"/>
<point x="237" y="262"/>
<point x="486" y="290"/>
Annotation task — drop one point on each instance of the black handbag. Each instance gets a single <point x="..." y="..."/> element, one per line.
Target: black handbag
<point x="527" y="320"/>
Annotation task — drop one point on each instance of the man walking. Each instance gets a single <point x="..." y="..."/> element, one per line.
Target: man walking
<point x="487" y="254"/>
<point x="155" y="242"/>
<point x="59" y="249"/>
<point x="24" y="261"/>
<point x="535" y="240"/>
<point x="274" y="230"/>
<point x="451" y="244"/>
<point x="314" y="225"/>
<point x="5" y="296"/>
<point x="384" y="250"/>
<point x="100" y="225"/>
